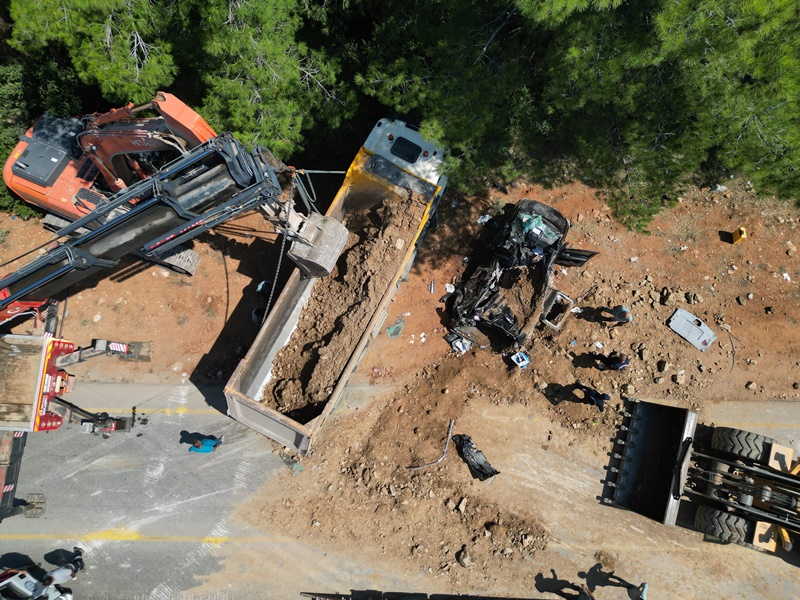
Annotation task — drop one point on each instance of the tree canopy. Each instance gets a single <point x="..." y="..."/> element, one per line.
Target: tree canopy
<point x="637" y="97"/>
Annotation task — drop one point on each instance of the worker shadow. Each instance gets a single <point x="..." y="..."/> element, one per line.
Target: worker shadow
<point x="596" y="577"/>
<point x="561" y="587"/>
<point x="59" y="557"/>
<point x="378" y="595"/>
<point x="585" y="360"/>
<point x="191" y="438"/>
<point x="598" y="314"/>
<point x="18" y="560"/>
<point x="557" y="393"/>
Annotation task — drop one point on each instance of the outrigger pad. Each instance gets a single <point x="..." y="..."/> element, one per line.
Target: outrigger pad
<point x="321" y="242"/>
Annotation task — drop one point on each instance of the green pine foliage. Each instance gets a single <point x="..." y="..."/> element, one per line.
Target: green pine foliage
<point x="638" y="98"/>
<point x="261" y="82"/>
<point x="120" y="45"/>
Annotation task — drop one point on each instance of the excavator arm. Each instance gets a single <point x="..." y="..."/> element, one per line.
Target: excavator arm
<point x="208" y="186"/>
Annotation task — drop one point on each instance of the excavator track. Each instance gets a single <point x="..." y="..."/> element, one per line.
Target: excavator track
<point x="179" y="259"/>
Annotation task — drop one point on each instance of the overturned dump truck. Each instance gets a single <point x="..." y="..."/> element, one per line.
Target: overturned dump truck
<point x="507" y="290"/>
<point x="744" y="487"/>
<point x="315" y="333"/>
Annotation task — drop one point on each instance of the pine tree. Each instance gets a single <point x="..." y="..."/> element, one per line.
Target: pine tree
<point x="119" y="45"/>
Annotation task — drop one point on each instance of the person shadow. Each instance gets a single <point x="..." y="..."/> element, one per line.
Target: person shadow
<point x="586" y="360"/>
<point x="18" y="560"/>
<point x="59" y="557"/>
<point x="191" y="438"/>
<point x="562" y="587"/>
<point x="596" y="314"/>
<point x="557" y="393"/>
<point x="596" y="577"/>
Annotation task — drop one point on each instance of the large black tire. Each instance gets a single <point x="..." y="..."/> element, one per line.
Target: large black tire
<point x="742" y="444"/>
<point x="724" y="525"/>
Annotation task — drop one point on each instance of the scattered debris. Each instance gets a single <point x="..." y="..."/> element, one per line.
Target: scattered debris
<point x="692" y="329"/>
<point x="446" y="446"/>
<point x="521" y="359"/>
<point x="394" y="331"/>
<point x="479" y="467"/>
<point x="458" y="343"/>
<point x="464" y="557"/>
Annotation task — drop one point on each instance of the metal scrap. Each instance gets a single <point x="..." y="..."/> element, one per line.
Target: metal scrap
<point x="446" y="446"/>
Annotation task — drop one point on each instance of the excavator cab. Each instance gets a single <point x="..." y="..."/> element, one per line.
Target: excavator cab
<point x="69" y="166"/>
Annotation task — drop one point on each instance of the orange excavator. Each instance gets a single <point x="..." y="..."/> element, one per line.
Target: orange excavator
<point x="69" y="166"/>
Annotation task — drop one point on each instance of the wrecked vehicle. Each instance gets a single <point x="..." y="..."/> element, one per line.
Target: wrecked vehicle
<point x="507" y="292"/>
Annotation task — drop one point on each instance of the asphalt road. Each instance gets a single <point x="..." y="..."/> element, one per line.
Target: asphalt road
<point x="148" y="512"/>
<point x="155" y="519"/>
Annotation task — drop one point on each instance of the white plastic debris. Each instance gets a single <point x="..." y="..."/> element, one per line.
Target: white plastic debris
<point x="598" y="345"/>
<point x="576" y="309"/>
<point x="786" y="277"/>
<point x="564" y="272"/>
<point x="684" y="248"/>
<point x="449" y="288"/>
<point x="634" y="259"/>
<point x="423" y="338"/>
<point x="461" y="345"/>
<point x="484" y="219"/>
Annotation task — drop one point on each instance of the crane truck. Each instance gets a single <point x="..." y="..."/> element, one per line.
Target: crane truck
<point x="743" y="487"/>
<point x="205" y="187"/>
<point x="218" y="180"/>
<point x="33" y="379"/>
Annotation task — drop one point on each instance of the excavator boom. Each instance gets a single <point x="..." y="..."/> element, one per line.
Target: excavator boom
<point x="208" y="186"/>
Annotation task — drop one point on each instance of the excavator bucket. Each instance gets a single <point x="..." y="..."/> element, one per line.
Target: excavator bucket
<point x="321" y="241"/>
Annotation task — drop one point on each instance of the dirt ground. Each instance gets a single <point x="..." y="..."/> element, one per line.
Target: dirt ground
<point x="357" y="494"/>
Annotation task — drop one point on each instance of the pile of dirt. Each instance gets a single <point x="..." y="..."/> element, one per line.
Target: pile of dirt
<point x="341" y="305"/>
<point x="361" y="491"/>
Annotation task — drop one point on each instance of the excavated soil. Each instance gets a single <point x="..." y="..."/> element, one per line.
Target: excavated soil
<point x="342" y="304"/>
<point x="356" y="495"/>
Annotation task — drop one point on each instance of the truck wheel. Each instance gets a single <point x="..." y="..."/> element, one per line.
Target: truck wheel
<point x="742" y="444"/>
<point x="724" y="525"/>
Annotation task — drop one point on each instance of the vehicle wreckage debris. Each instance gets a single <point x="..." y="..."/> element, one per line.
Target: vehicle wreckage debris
<point x="479" y="467"/>
<point x="446" y="446"/>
